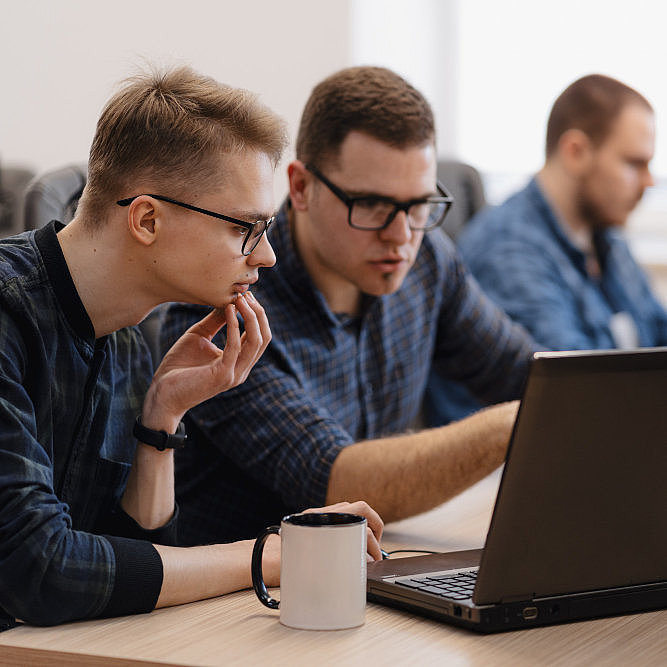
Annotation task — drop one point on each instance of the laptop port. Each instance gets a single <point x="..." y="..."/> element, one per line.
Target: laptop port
<point x="529" y="613"/>
<point x="457" y="610"/>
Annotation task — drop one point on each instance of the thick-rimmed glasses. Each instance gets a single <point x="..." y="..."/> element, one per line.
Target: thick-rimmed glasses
<point x="375" y="212"/>
<point x="253" y="235"/>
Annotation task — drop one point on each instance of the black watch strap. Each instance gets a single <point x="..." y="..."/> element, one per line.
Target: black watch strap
<point x="159" y="439"/>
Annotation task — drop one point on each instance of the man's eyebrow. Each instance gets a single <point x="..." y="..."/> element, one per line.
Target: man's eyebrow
<point x="251" y="216"/>
<point x="362" y="193"/>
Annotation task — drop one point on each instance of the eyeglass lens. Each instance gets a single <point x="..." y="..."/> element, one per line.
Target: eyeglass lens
<point x="255" y="236"/>
<point x="372" y="213"/>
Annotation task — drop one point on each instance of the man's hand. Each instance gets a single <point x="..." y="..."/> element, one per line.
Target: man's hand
<point x="375" y="525"/>
<point x="195" y="573"/>
<point x="195" y="369"/>
<point x="192" y="371"/>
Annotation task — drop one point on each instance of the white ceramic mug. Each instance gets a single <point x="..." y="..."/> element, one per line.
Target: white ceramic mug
<point x="322" y="570"/>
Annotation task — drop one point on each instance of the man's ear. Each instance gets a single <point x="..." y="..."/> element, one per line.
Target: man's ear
<point x="142" y="216"/>
<point x="576" y="151"/>
<point x="299" y="182"/>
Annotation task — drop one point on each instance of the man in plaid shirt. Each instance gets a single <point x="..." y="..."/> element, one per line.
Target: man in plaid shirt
<point x="364" y="300"/>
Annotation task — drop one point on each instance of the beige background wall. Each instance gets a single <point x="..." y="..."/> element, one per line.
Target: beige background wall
<point x="474" y="60"/>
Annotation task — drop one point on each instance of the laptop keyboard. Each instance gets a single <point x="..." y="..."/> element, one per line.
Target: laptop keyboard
<point x="455" y="586"/>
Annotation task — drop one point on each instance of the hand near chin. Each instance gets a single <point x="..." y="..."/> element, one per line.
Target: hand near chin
<point x="195" y="369"/>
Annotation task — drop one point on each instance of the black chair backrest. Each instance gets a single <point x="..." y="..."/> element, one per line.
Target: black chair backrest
<point x="465" y="184"/>
<point x="54" y="195"/>
<point x="13" y="183"/>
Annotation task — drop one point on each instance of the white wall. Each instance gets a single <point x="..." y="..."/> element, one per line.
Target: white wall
<point x="518" y="55"/>
<point x="62" y="58"/>
<point x="490" y="69"/>
<point x="418" y="39"/>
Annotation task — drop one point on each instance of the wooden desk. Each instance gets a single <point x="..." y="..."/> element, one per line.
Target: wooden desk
<point x="236" y="629"/>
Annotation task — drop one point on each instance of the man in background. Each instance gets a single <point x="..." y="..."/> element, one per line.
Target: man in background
<point x="363" y="302"/>
<point x="553" y="256"/>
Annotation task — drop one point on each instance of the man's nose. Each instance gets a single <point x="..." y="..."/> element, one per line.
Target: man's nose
<point x="263" y="254"/>
<point x="648" y="180"/>
<point x="398" y="230"/>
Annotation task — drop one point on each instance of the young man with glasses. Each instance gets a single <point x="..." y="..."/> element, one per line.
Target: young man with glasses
<point x="87" y="429"/>
<point x="363" y="301"/>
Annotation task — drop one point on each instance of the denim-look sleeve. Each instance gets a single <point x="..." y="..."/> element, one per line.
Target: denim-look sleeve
<point x="540" y="286"/>
<point x="524" y="261"/>
<point x="531" y="287"/>
<point x="49" y="572"/>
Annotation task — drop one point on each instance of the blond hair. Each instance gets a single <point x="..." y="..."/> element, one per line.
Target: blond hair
<point x="169" y="129"/>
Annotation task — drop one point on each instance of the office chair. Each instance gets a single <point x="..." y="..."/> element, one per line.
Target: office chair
<point x="465" y="184"/>
<point x="54" y="195"/>
<point x="13" y="182"/>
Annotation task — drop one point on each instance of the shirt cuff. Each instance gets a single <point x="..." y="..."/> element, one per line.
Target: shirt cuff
<point x="138" y="577"/>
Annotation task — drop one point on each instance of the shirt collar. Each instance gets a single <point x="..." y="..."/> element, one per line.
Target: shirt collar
<point x="297" y="276"/>
<point x="61" y="280"/>
<point x="601" y="238"/>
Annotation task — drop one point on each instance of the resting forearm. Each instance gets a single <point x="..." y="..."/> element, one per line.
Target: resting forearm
<point x="197" y="573"/>
<point x="149" y="494"/>
<point x="405" y="475"/>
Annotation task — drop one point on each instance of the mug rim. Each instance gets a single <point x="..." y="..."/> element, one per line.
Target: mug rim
<point x="323" y="519"/>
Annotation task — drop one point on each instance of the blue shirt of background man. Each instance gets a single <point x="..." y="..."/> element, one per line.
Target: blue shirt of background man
<point x="524" y="261"/>
<point x="327" y="380"/>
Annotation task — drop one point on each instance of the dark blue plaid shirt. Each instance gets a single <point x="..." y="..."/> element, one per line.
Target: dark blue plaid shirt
<point x="327" y="380"/>
<point x="67" y="405"/>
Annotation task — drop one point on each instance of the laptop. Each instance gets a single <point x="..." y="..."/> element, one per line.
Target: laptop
<point x="579" y="527"/>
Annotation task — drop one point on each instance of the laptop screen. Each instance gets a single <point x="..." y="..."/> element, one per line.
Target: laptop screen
<point x="583" y="501"/>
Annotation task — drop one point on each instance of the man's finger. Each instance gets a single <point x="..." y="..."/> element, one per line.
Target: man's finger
<point x="253" y="343"/>
<point x="262" y="320"/>
<point x="209" y="326"/>
<point x="375" y="523"/>
<point x="372" y="545"/>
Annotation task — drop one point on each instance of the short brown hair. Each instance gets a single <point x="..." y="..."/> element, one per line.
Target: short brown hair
<point x="170" y="128"/>
<point x="373" y="100"/>
<point x="590" y="104"/>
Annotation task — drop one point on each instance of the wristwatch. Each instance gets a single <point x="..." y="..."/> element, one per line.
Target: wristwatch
<point x="160" y="439"/>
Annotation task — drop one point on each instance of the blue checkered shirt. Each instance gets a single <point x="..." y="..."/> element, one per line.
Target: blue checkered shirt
<point x="67" y="405"/>
<point x="328" y="380"/>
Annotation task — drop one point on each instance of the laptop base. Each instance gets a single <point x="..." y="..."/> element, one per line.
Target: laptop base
<point x="514" y="615"/>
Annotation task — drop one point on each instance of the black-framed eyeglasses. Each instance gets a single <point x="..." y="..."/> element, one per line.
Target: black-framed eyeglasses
<point x="253" y="235"/>
<point x="375" y="212"/>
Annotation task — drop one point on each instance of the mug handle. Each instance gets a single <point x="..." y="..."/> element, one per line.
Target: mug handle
<point x="257" y="578"/>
